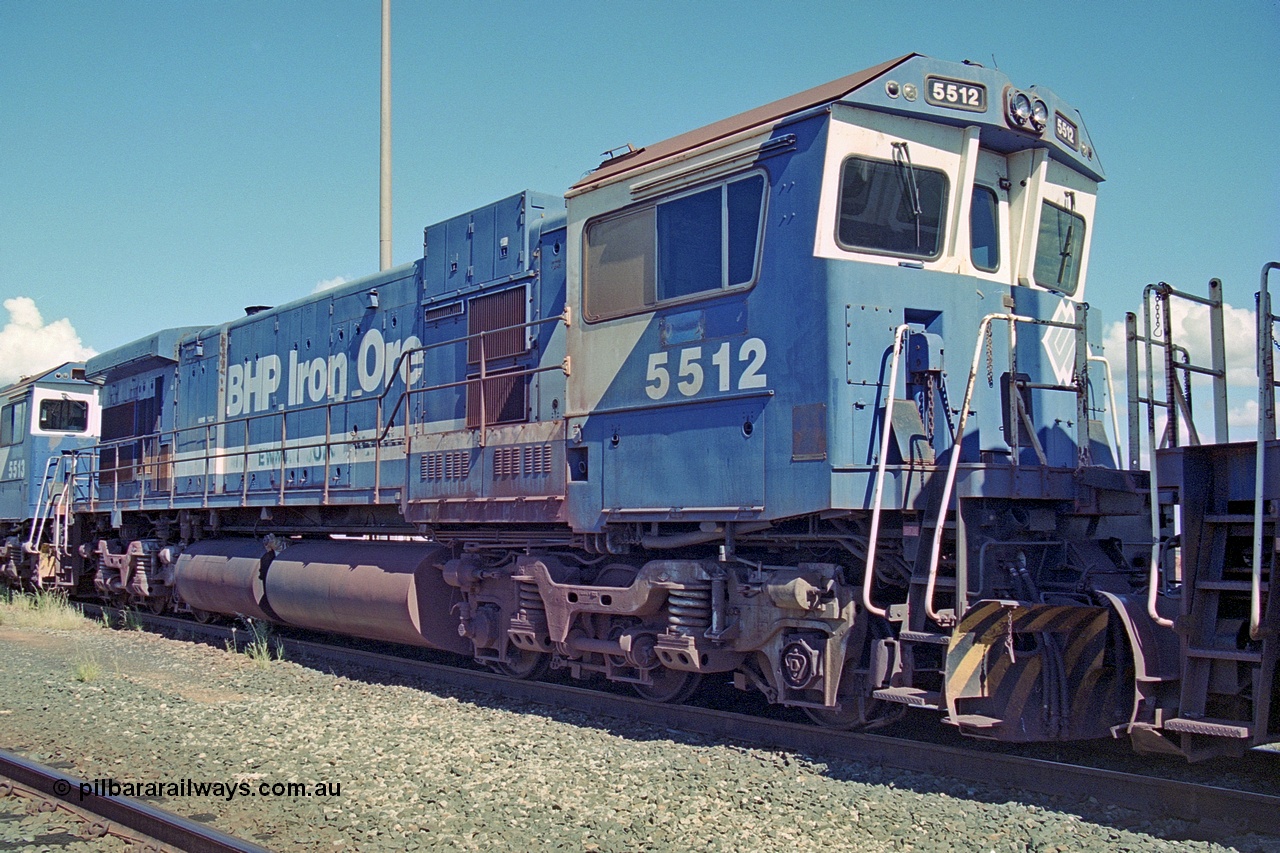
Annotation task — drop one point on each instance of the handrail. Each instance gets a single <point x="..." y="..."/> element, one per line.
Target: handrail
<point x="37" y="526"/>
<point x="954" y="463"/>
<point x="384" y="424"/>
<point x="882" y="464"/>
<point x="1266" y="432"/>
<point x="1111" y="400"/>
<point x="1175" y="401"/>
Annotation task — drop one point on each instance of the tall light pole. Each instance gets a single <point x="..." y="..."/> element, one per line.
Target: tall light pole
<point x="384" y="242"/>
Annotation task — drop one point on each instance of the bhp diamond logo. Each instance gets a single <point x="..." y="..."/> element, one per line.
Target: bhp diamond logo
<point x="1060" y="344"/>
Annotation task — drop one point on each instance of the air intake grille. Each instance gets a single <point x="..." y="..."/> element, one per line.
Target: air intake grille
<point x="446" y="465"/>
<point x="528" y="461"/>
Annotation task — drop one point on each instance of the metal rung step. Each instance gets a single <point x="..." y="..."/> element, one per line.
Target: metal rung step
<point x="975" y="722"/>
<point x="1228" y="586"/>
<point x="1225" y="654"/>
<point x="1236" y="518"/>
<point x="924" y="637"/>
<point x="913" y="696"/>
<point x="938" y="583"/>
<point x="1211" y="727"/>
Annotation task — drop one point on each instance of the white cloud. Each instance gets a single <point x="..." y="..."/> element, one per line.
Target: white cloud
<point x="1244" y="417"/>
<point x="330" y="283"/>
<point x="28" y="345"/>
<point x="1191" y="330"/>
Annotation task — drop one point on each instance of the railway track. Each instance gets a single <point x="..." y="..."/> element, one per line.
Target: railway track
<point x="130" y="820"/>
<point x="1232" y="809"/>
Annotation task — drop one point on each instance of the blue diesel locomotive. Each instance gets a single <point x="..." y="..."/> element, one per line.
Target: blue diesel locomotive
<point x="49" y="424"/>
<point x="808" y="398"/>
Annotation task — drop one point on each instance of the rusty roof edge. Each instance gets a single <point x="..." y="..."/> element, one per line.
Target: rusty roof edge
<point x="826" y="93"/>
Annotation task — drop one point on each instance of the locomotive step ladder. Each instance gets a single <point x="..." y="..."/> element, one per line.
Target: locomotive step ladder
<point x="1228" y="678"/>
<point x="52" y="505"/>
<point x="934" y="601"/>
<point x="66" y="480"/>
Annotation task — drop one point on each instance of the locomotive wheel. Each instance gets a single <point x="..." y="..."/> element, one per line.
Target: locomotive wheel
<point x="204" y="617"/>
<point x="157" y="604"/>
<point x="670" y="686"/>
<point x="857" y="709"/>
<point x="522" y="664"/>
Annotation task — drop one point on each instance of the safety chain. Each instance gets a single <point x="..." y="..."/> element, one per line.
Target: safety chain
<point x="928" y="406"/>
<point x="946" y="405"/>
<point x="991" y="375"/>
<point x="1008" y="638"/>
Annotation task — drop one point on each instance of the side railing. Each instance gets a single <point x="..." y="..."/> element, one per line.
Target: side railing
<point x="1176" y="401"/>
<point x="138" y="459"/>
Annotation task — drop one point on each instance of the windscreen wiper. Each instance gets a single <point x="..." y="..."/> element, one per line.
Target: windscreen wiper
<point x="902" y="158"/>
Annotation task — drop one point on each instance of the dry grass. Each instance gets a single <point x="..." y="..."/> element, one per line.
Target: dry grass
<point x="43" y="610"/>
<point x="263" y="648"/>
<point x="86" y="667"/>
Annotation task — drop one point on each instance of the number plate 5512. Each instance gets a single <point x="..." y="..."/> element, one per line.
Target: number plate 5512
<point x="955" y="94"/>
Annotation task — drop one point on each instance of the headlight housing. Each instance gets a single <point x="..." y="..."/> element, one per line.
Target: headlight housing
<point x="1039" y="116"/>
<point x="1026" y="112"/>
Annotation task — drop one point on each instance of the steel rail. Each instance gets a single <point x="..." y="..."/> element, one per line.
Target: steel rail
<point x="1241" y="811"/>
<point x="140" y="817"/>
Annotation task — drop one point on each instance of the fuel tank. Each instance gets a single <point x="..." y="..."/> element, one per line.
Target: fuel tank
<point x="222" y="576"/>
<point x="388" y="591"/>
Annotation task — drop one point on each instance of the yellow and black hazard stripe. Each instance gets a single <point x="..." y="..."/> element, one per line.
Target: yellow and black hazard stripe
<point x="1024" y="672"/>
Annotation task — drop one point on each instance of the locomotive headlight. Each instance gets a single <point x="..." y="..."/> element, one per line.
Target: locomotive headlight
<point x="1020" y="109"/>
<point x="1039" y="115"/>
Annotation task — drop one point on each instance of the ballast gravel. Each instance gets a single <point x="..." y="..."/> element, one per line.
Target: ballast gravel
<point x="412" y="766"/>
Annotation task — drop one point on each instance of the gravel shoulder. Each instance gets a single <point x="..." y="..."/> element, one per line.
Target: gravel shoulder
<point x="421" y="767"/>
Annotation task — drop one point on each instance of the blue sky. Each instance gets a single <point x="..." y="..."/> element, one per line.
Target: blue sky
<point x="166" y="164"/>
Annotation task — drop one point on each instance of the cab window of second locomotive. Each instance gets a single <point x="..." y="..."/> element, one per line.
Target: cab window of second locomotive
<point x="13" y="423"/>
<point x="984" y="229"/>
<point x="891" y="208"/>
<point x="64" y="415"/>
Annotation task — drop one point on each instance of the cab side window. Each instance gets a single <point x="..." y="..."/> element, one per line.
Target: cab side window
<point x="694" y="244"/>
<point x="13" y="423"/>
<point x="64" y="415"/>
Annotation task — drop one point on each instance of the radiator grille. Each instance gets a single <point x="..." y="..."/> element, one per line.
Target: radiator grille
<point x="497" y="311"/>
<point x="504" y="400"/>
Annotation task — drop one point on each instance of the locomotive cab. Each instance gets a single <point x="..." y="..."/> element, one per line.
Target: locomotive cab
<point x="766" y="307"/>
<point x="46" y="422"/>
